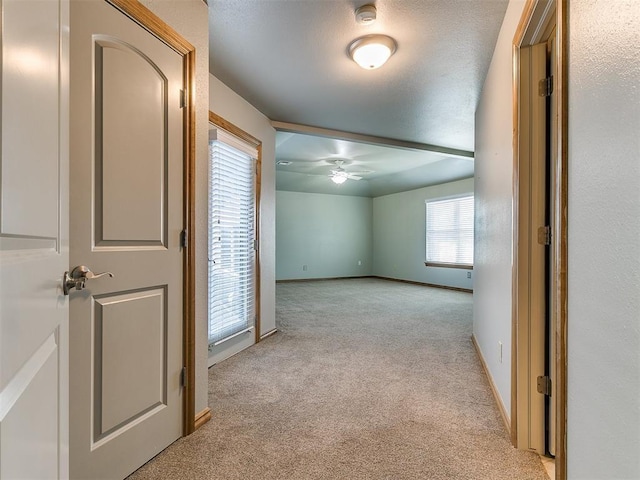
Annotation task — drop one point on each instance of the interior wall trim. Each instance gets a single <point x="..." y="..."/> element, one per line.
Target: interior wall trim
<point x="321" y="279"/>
<point x="202" y="417"/>
<point x="224" y="124"/>
<point x="494" y="389"/>
<point x="426" y="284"/>
<point x="269" y="333"/>
<point x="411" y="282"/>
<point x="157" y="27"/>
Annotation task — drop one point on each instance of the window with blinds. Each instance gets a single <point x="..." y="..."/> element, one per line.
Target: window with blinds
<point x="449" y="233"/>
<point x="232" y="173"/>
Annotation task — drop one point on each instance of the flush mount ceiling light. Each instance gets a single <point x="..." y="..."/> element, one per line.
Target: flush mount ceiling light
<point x="372" y="51"/>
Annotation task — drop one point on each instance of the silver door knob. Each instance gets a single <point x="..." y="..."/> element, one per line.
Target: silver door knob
<point x="78" y="276"/>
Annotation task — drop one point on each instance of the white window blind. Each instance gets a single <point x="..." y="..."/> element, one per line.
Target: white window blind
<point x="450" y="231"/>
<point x="231" y="236"/>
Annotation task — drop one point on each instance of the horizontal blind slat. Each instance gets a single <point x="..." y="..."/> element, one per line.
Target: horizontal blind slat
<point x="231" y="235"/>
<point x="449" y="232"/>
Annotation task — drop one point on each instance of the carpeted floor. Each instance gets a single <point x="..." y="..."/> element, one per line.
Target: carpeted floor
<point x="366" y="379"/>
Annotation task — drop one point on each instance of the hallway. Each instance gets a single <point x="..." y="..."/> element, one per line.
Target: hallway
<point x="366" y="379"/>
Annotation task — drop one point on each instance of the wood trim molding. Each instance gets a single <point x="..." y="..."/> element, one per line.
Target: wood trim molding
<point x="218" y="121"/>
<point x="425" y="284"/>
<point x="269" y="333"/>
<point x="525" y="20"/>
<point x="323" y="279"/>
<point x="411" y="282"/>
<point x="190" y="254"/>
<point x="233" y="129"/>
<point x="559" y="235"/>
<point x="448" y="265"/>
<point x="201" y="418"/>
<point x="156" y="26"/>
<point x="494" y="389"/>
<point x="258" y="194"/>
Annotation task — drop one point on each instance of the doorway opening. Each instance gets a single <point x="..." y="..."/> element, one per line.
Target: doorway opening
<point x="538" y="416"/>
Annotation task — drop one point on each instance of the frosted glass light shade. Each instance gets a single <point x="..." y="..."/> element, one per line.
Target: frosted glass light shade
<point x="339" y="179"/>
<point x="372" y="51"/>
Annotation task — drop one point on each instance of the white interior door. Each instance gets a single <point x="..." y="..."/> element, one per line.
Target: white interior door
<point x="34" y="240"/>
<point x="126" y="218"/>
<point x="532" y="268"/>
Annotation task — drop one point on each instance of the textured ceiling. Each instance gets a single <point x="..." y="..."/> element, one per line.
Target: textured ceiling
<point x="390" y="170"/>
<point x="289" y="59"/>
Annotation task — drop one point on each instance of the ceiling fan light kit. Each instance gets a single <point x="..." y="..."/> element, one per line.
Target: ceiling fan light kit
<point x="340" y="175"/>
<point x="339" y="179"/>
<point x="370" y="51"/>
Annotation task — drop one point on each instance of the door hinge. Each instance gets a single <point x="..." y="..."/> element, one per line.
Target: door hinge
<point x="183" y="98"/>
<point x="545" y="87"/>
<point x="183" y="377"/>
<point x="544" y="235"/>
<point x="183" y="239"/>
<point x="544" y="385"/>
<point x="255" y="245"/>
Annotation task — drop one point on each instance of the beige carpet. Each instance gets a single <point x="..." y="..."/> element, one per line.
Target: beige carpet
<point x="366" y="379"/>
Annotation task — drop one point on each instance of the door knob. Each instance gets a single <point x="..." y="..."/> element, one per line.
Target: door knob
<point x="78" y="276"/>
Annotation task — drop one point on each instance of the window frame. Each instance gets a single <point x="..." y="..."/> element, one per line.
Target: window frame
<point x="428" y="263"/>
<point x="220" y="123"/>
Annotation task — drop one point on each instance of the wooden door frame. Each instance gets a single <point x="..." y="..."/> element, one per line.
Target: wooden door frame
<point x="157" y="27"/>
<point x="559" y="184"/>
<point x="222" y="123"/>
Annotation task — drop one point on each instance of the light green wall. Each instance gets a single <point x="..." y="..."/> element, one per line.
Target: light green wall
<point x="327" y="233"/>
<point x="331" y="233"/>
<point x="399" y="236"/>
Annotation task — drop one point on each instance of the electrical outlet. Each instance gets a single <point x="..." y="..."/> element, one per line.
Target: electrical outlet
<point x="500" y="345"/>
<point x="468" y="274"/>
<point x="304" y="268"/>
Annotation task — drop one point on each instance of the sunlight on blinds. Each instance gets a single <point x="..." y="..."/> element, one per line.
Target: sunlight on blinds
<point x="231" y="238"/>
<point x="450" y="231"/>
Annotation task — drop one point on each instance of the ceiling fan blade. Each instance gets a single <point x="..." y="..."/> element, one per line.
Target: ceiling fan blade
<point x="353" y="177"/>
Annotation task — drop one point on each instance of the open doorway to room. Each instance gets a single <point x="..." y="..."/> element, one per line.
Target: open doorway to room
<point x="538" y="414"/>
<point x="351" y="205"/>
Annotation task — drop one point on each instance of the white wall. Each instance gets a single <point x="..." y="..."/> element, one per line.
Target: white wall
<point x="399" y="236"/>
<point x="493" y="199"/>
<point x="604" y="232"/>
<point x="327" y="233"/>
<point x="190" y="19"/>
<point x="604" y="240"/>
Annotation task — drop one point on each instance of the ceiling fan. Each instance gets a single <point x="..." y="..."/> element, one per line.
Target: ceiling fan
<point x="339" y="175"/>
